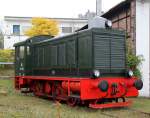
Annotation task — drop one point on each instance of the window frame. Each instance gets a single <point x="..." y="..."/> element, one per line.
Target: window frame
<point x="15" y="30"/>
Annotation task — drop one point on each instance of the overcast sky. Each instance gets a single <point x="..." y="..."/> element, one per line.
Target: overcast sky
<point x="51" y="8"/>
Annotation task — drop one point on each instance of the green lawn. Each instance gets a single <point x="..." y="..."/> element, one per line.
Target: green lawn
<point x="142" y="104"/>
<point x="16" y="105"/>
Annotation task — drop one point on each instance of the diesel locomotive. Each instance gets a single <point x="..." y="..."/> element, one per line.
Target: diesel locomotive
<point x="86" y="67"/>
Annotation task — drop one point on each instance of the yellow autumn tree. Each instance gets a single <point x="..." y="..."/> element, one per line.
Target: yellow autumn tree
<point x="42" y="26"/>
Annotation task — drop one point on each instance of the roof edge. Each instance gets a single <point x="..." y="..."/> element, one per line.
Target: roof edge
<point x="116" y="8"/>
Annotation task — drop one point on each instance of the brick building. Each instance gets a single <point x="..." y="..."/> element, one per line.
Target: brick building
<point x="123" y="16"/>
<point x="134" y="17"/>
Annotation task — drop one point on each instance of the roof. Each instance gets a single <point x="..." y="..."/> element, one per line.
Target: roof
<point x="29" y="18"/>
<point x="119" y="7"/>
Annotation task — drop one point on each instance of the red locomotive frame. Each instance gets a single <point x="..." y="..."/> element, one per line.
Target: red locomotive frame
<point x="80" y="90"/>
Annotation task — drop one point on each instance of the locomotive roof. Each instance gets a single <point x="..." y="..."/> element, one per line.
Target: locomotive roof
<point x="57" y="38"/>
<point x="50" y="38"/>
<point x="34" y="39"/>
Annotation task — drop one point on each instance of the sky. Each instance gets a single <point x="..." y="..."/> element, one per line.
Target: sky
<point x="51" y="8"/>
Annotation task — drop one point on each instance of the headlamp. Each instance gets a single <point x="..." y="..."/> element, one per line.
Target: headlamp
<point x="96" y="73"/>
<point x="130" y="73"/>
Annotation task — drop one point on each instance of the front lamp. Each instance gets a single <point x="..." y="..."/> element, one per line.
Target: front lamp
<point x="96" y="73"/>
<point x="130" y="73"/>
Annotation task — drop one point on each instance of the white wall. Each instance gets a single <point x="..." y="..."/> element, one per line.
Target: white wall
<point x="10" y="38"/>
<point x="8" y="26"/>
<point x="9" y="41"/>
<point x="143" y="42"/>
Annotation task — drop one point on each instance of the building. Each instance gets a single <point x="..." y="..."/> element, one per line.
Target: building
<point x="134" y="17"/>
<point x="123" y="17"/>
<point x="14" y="27"/>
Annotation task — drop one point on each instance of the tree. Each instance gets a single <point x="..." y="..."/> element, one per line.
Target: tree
<point x="42" y="26"/>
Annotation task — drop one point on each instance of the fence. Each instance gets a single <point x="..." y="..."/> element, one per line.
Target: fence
<point x="6" y="65"/>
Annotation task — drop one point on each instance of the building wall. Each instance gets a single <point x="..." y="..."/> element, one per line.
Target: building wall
<point x="124" y="19"/>
<point x="135" y="19"/>
<point x="66" y="26"/>
<point x="143" y="42"/>
<point x="9" y="37"/>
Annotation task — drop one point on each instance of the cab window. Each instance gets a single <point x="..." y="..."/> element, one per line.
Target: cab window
<point x="21" y="52"/>
<point x="28" y="50"/>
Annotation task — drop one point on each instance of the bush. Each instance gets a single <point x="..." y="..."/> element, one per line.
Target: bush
<point x="133" y="63"/>
<point x="6" y="56"/>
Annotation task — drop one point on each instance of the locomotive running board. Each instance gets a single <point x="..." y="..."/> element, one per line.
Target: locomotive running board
<point x="110" y="105"/>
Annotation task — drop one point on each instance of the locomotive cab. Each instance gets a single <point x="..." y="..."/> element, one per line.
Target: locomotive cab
<point x="20" y="59"/>
<point x="23" y="54"/>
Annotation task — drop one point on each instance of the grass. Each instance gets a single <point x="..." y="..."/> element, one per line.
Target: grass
<point x="6" y="72"/>
<point x="17" y="105"/>
<point x="142" y="104"/>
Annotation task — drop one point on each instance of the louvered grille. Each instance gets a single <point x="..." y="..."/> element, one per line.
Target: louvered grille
<point x="102" y="51"/>
<point x="109" y="52"/>
<point x="117" y="52"/>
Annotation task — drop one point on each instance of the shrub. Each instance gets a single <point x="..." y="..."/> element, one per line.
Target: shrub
<point x="6" y="56"/>
<point x="133" y="63"/>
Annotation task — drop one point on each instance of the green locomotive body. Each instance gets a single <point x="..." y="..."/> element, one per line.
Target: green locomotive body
<point x="78" y="54"/>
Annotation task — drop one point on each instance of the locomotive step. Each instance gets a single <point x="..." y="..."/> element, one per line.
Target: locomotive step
<point x="26" y="91"/>
<point x="110" y="105"/>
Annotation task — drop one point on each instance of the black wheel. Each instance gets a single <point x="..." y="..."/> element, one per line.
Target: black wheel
<point x="72" y="101"/>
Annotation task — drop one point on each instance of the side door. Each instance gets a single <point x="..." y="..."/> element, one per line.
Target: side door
<point x="20" y="60"/>
<point x="28" y="60"/>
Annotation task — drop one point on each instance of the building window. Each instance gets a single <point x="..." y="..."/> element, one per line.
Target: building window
<point x="66" y="29"/>
<point x="16" y="29"/>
